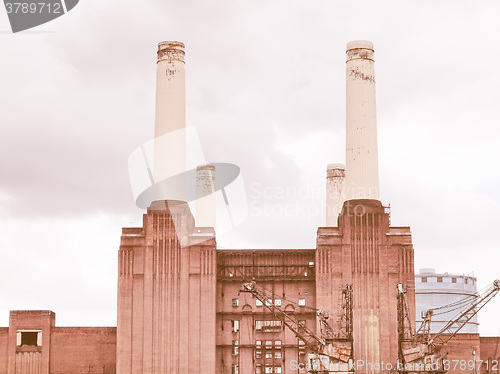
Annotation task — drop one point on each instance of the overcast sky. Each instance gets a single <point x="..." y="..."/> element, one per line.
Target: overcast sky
<point x="265" y="91"/>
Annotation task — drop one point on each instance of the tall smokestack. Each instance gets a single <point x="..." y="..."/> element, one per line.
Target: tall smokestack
<point x="170" y="123"/>
<point x="205" y="196"/>
<point x="335" y="179"/>
<point x="361" y="123"/>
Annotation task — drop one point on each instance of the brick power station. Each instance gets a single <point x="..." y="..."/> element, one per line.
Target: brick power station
<point x="181" y="309"/>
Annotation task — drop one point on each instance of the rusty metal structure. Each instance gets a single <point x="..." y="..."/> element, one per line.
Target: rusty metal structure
<point x="420" y="352"/>
<point x="331" y="351"/>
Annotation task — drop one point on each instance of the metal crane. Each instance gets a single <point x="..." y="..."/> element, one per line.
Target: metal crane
<point x="331" y="351"/>
<point x="420" y="351"/>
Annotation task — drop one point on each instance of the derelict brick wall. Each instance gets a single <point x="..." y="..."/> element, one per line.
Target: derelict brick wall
<point x="4" y="338"/>
<point x="459" y="350"/>
<point x="73" y="349"/>
<point x="490" y="353"/>
<point x="286" y="273"/>
<point x="24" y="360"/>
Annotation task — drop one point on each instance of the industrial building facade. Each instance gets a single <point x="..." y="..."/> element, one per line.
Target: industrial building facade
<point x="182" y="308"/>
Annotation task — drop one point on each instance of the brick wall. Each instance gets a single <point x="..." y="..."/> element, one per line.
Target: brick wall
<point x="4" y="360"/>
<point x="83" y="349"/>
<point x="490" y="354"/>
<point x="460" y="353"/>
<point x="367" y="252"/>
<point x="58" y="350"/>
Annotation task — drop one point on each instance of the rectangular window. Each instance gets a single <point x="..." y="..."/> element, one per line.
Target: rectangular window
<point x="424" y="279"/>
<point x="440" y="279"/>
<point x="453" y="280"/>
<point x="311" y="264"/>
<point x="258" y="353"/>
<point x="268" y="326"/>
<point x="29" y="338"/>
<point x="277" y="302"/>
<point x="274" y="326"/>
<point x="236" y="369"/>
<point x="269" y="354"/>
<point x="259" y="325"/>
<point x="302" y="302"/>
<point x="236" y="325"/>
<point x="269" y="302"/>
<point x="258" y="302"/>
<point x="465" y="280"/>
<point x="269" y="344"/>
<point x="269" y="369"/>
<point x="258" y="343"/>
<point x="277" y="369"/>
<point x="277" y="343"/>
<point x="258" y="369"/>
<point x="236" y="302"/>
<point x="277" y="354"/>
<point x="235" y="348"/>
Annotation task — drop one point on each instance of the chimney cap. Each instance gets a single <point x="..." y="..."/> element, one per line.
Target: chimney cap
<point x="335" y="166"/>
<point x="171" y="50"/>
<point x="205" y="167"/>
<point x="171" y="44"/>
<point x="359" y="44"/>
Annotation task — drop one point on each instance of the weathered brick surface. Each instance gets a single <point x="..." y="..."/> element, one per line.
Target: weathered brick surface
<point x="286" y="273"/>
<point x="490" y="354"/>
<point x="83" y="350"/>
<point x="43" y="320"/>
<point x="63" y="350"/>
<point x="374" y="257"/>
<point x="4" y="336"/>
<point x="166" y="294"/>
<point x="460" y="353"/>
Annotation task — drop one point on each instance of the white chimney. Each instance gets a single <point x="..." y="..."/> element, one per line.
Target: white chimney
<point x="170" y="123"/>
<point x="361" y="123"/>
<point x="205" y="196"/>
<point x="335" y="179"/>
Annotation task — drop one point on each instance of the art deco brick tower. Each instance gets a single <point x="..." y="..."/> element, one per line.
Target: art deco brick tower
<point x="167" y="267"/>
<point x="364" y="250"/>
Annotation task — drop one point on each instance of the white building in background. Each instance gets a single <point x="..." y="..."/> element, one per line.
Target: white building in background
<point x="434" y="290"/>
